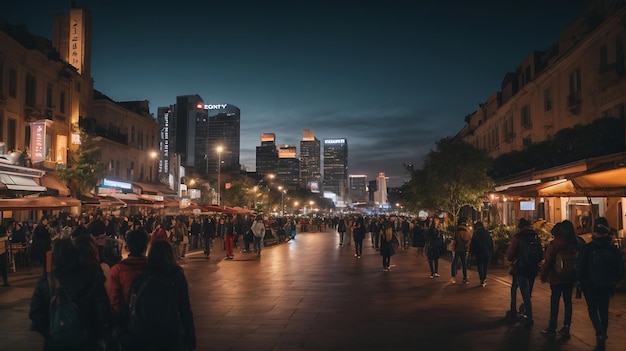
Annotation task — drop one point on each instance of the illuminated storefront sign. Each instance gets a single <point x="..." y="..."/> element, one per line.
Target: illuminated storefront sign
<point x="116" y="184"/>
<point x="76" y="39"/>
<point x="75" y="139"/>
<point x="215" y="106"/>
<point x="38" y="141"/>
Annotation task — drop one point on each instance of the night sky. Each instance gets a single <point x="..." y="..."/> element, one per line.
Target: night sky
<point x="392" y="77"/>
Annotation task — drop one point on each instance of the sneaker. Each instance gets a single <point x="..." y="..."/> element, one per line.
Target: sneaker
<point x="359" y="256"/>
<point x="548" y="332"/>
<point x="564" y="332"/>
<point x="432" y="276"/>
<point x="465" y="281"/>
<point x="437" y="275"/>
<point x="483" y="284"/>
<point x="452" y="281"/>
<point x="385" y="269"/>
<point x="355" y="255"/>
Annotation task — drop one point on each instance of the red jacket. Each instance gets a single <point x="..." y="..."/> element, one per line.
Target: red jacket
<point x="547" y="268"/>
<point x="121" y="278"/>
<point x="159" y="234"/>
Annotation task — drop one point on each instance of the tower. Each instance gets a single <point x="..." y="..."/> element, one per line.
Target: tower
<point x="336" y="166"/>
<point x="310" y="161"/>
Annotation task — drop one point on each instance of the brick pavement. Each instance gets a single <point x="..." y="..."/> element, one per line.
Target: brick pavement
<point x="312" y="295"/>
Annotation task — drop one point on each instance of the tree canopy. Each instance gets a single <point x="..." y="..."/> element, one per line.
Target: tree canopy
<point x="453" y="176"/>
<point x="84" y="168"/>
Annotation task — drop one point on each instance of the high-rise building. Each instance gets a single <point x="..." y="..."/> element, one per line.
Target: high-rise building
<point x="71" y="36"/>
<point x="380" y="195"/>
<point x="336" y="166"/>
<point x="224" y="127"/>
<point x="358" y="188"/>
<point x="310" y="161"/>
<point x="188" y="134"/>
<point x="266" y="155"/>
<point x="288" y="166"/>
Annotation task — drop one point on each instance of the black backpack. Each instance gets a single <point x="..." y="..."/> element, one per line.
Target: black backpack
<point x="530" y="253"/>
<point x="65" y="325"/>
<point x="605" y="267"/>
<point x="152" y="305"/>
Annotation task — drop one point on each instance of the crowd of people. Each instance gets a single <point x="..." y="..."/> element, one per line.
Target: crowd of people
<point x="72" y="263"/>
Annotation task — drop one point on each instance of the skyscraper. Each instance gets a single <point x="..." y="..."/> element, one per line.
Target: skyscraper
<point x="380" y="195"/>
<point x="266" y="155"/>
<point x="358" y="189"/>
<point x="188" y="136"/>
<point x="288" y="166"/>
<point x="224" y="127"/>
<point x="336" y="166"/>
<point x="310" y="161"/>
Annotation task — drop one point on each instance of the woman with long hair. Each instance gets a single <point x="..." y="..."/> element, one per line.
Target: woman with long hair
<point x="433" y="242"/>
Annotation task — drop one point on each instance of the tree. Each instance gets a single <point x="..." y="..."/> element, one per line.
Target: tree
<point x="84" y="168"/>
<point x="240" y="193"/>
<point x="453" y="176"/>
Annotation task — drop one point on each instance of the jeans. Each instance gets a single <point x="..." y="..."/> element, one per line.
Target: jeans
<point x="386" y="261"/>
<point x="341" y="234"/>
<point x="559" y="290"/>
<point x="375" y="240"/>
<point x="434" y="266"/>
<point x="257" y="244"/>
<point x="598" y="308"/>
<point x="462" y="257"/>
<point x="207" y="246"/>
<point x="482" y="265"/>
<point x="525" y="284"/>
<point x="358" y="246"/>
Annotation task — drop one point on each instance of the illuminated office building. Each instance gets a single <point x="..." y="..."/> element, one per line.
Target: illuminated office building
<point x="266" y="155"/>
<point x="336" y="166"/>
<point x="357" y="185"/>
<point x="310" y="161"/>
<point x="288" y="166"/>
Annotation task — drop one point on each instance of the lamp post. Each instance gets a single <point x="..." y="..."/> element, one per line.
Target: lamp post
<point x="219" y="174"/>
<point x="154" y="156"/>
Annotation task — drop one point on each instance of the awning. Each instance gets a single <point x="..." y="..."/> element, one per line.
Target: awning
<point x="154" y="189"/>
<point x="52" y="182"/>
<point x="16" y="182"/>
<point x="132" y="199"/>
<point x="38" y="203"/>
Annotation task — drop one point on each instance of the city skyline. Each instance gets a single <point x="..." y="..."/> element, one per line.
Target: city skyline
<point x="391" y="79"/>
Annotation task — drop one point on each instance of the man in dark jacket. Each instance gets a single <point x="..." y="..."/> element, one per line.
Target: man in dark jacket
<point x="523" y="274"/>
<point x="481" y="247"/>
<point x="597" y="284"/>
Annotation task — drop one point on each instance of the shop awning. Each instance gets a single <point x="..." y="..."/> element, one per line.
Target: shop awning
<point x="38" y="203"/>
<point x="52" y="182"/>
<point x="17" y="182"/>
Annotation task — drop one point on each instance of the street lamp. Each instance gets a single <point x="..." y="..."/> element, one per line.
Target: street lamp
<point x="154" y="156"/>
<point x="219" y="150"/>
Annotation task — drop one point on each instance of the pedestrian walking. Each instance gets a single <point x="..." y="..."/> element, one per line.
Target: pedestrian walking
<point x="462" y="239"/>
<point x="433" y="244"/>
<point x="258" y="229"/>
<point x="600" y="268"/>
<point x="208" y="233"/>
<point x="229" y="238"/>
<point x="481" y="247"/>
<point x="359" y="235"/>
<point x="341" y="229"/>
<point x="41" y="241"/>
<point x="386" y="246"/>
<point x="525" y="253"/>
<point x="561" y="283"/>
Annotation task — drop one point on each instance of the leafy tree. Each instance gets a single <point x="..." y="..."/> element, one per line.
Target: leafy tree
<point x="453" y="176"/>
<point x="84" y="168"/>
<point x="240" y="192"/>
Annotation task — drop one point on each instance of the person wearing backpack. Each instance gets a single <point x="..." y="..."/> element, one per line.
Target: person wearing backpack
<point x="160" y="316"/>
<point x="600" y="267"/>
<point x="69" y="306"/>
<point x="559" y="269"/>
<point x="462" y="240"/>
<point x="525" y="253"/>
<point x="481" y="247"/>
<point x="122" y="276"/>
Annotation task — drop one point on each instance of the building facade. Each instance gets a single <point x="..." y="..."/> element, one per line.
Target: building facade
<point x="336" y="166"/>
<point x="576" y="81"/>
<point x="358" y="189"/>
<point x="224" y="129"/>
<point x="288" y="166"/>
<point x="380" y="195"/>
<point x="310" y="161"/>
<point x="267" y="155"/>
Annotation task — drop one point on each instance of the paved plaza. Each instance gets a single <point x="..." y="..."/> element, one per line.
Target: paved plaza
<point x="311" y="294"/>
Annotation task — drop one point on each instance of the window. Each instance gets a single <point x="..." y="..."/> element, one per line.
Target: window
<point x="525" y="117"/>
<point x="62" y="102"/>
<point x="547" y="100"/>
<point x="526" y="142"/>
<point x="77" y="87"/>
<point x="31" y="89"/>
<point x="1" y="74"/>
<point x="507" y="129"/>
<point x="132" y="134"/>
<point x="49" y="96"/>
<point x="574" y="82"/>
<point x="604" y="58"/>
<point x="12" y="83"/>
<point x="11" y="134"/>
<point x="495" y="138"/>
